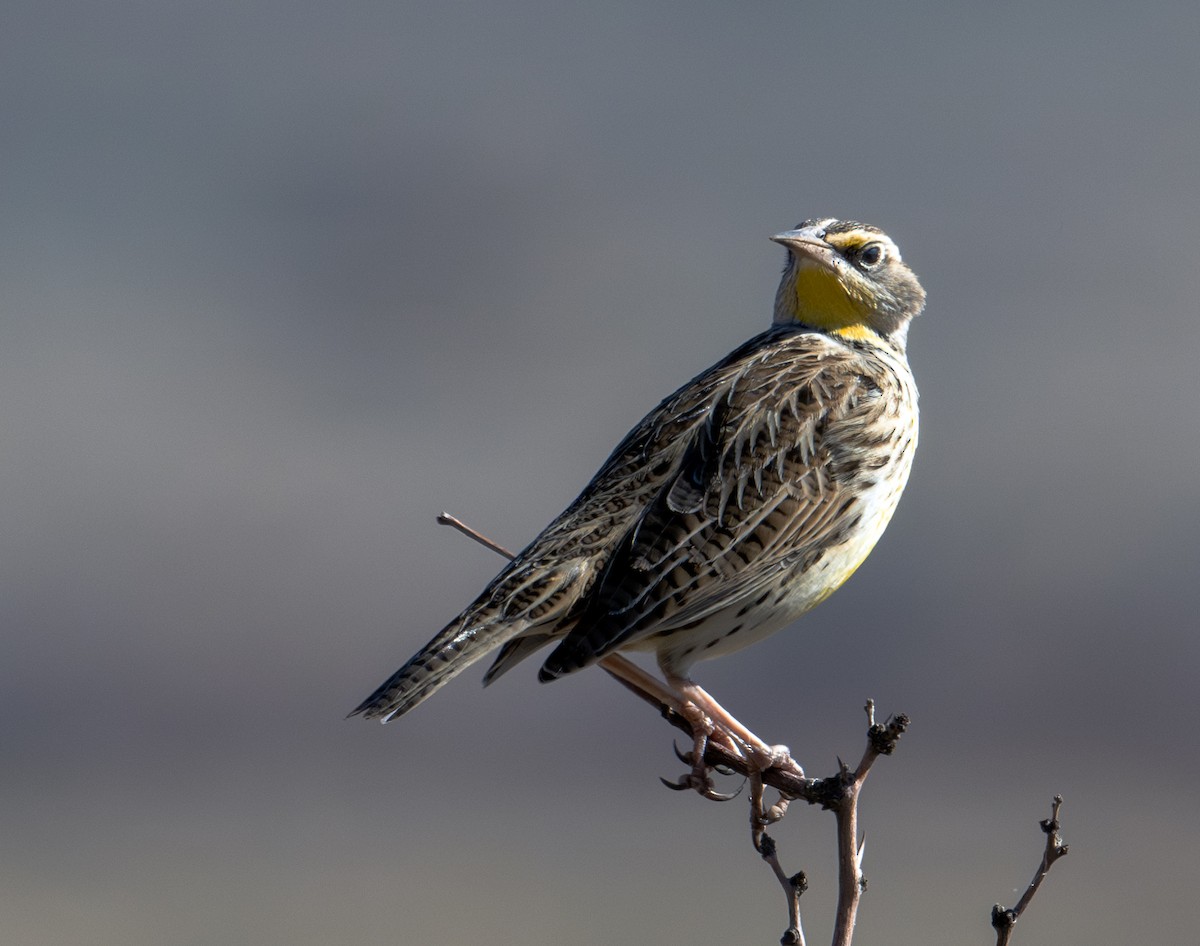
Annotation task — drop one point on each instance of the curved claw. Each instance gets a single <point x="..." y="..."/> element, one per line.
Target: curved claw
<point x="684" y="757"/>
<point x="688" y="758"/>
<point x="720" y="796"/>
<point x="702" y="786"/>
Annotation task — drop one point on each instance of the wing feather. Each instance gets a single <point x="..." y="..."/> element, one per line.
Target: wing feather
<point x="755" y="487"/>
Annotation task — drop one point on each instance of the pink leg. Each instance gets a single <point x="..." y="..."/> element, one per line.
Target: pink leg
<point x="707" y="718"/>
<point x="722" y="724"/>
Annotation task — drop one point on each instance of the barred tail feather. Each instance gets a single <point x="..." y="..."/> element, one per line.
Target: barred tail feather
<point x="452" y="651"/>
<point x="514" y="652"/>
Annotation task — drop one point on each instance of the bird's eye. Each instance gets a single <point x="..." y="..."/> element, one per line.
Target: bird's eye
<point x="871" y="255"/>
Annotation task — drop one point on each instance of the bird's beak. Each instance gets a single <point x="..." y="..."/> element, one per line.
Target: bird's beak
<point x="809" y="243"/>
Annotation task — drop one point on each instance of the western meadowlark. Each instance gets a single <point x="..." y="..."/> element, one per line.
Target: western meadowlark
<point x="740" y="502"/>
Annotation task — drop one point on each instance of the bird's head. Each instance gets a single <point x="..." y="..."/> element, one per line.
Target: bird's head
<point x="847" y="278"/>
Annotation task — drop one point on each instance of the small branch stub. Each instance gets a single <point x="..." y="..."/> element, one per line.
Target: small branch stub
<point x="884" y="737"/>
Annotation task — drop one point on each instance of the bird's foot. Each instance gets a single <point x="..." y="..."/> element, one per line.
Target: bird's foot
<point x="699" y="779"/>
<point x="764" y="757"/>
<point x="701" y="784"/>
<point x="722" y="727"/>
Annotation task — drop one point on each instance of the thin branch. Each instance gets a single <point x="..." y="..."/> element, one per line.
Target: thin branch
<point x="445" y="519"/>
<point x="784" y="778"/>
<point x="881" y="740"/>
<point x="839" y="793"/>
<point x="1004" y="920"/>
<point x="792" y="886"/>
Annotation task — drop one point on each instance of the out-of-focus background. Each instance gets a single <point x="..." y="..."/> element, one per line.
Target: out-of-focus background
<point x="282" y="281"/>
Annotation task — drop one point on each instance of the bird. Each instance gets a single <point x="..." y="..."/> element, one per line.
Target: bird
<point x="740" y="502"/>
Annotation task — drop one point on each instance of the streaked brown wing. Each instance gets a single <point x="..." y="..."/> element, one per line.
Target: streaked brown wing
<point x="756" y="486"/>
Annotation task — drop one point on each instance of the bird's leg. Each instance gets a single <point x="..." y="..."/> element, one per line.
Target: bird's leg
<point x="719" y="723"/>
<point x="654" y="690"/>
<point x="702" y="729"/>
<point x="708" y="721"/>
<point x="643" y="683"/>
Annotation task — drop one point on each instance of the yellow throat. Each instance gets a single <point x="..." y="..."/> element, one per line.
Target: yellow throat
<point x="822" y="300"/>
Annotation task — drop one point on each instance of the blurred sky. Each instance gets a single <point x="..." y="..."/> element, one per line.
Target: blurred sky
<point x="282" y="281"/>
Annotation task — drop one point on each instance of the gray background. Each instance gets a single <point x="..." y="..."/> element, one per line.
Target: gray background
<point x="282" y="281"/>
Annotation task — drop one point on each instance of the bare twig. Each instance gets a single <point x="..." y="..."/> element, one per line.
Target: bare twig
<point x="445" y="519"/>
<point x="838" y="793"/>
<point x="881" y="740"/>
<point x="1003" y="920"/>
<point x="792" y="886"/>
